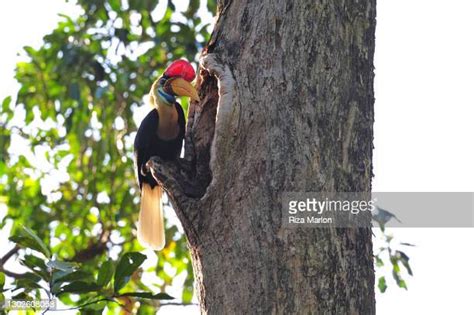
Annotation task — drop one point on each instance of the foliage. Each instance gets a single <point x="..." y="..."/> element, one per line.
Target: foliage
<point x="72" y="180"/>
<point x="391" y="253"/>
<point x="57" y="278"/>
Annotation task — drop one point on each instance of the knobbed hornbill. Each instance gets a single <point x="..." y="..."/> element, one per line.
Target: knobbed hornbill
<point x="160" y="134"/>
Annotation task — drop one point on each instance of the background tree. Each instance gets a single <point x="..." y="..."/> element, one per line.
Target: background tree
<point x="73" y="182"/>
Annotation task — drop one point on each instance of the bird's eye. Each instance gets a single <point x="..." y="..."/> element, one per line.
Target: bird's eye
<point x="167" y="85"/>
<point x="163" y="80"/>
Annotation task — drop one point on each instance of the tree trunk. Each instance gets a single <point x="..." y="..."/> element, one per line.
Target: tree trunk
<point x="286" y="105"/>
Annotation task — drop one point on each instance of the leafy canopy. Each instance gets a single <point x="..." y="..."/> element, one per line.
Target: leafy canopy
<point x="66" y="171"/>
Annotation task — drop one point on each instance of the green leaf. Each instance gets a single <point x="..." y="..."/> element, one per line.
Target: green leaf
<point x="396" y="267"/>
<point x="382" y="284"/>
<point x="382" y="216"/>
<point x="2" y="280"/>
<point x="27" y="284"/>
<point x="28" y="281"/>
<point x="6" y="103"/>
<point x="58" y="274"/>
<point x="56" y="287"/>
<point x="149" y="295"/>
<point x="396" y="277"/>
<point x="79" y="287"/>
<point x="378" y="261"/>
<point x="96" y="307"/>
<point x="187" y="295"/>
<point x="66" y="276"/>
<point x="62" y="265"/>
<point x="32" y="261"/>
<point x="31" y="276"/>
<point x="37" y="265"/>
<point x="126" y="266"/>
<point x="405" y="261"/>
<point x="106" y="272"/>
<point x="21" y="296"/>
<point x="27" y="238"/>
<point x="42" y="246"/>
<point x="115" y="5"/>
<point x="30" y="50"/>
<point x="402" y="284"/>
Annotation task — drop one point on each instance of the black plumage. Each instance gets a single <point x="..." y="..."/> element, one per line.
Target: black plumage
<point x="148" y="144"/>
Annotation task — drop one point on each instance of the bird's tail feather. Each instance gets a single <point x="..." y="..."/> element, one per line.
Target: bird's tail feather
<point x="151" y="225"/>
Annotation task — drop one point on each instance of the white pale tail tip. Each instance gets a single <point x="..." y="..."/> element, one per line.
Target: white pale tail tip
<point x="151" y="227"/>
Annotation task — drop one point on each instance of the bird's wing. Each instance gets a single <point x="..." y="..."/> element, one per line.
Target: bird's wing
<point x="143" y="142"/>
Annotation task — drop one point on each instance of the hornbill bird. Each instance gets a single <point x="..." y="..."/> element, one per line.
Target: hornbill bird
<point x="160" y="134"/>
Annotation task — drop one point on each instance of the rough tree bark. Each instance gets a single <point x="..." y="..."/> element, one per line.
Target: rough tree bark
<point x="287" y="105"/>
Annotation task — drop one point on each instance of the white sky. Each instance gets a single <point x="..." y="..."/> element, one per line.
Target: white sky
<point x="423" y="132"/>
<point x="424" y="141"/>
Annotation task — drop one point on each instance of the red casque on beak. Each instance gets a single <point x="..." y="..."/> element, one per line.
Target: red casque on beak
<point x="181" y="68"/>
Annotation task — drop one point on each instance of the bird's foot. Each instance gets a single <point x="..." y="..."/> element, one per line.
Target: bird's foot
<point x="145" y="169"/>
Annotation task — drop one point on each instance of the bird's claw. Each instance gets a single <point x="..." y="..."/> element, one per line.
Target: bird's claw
<point x="147" y="167"/>
<point x="144" y="169"/>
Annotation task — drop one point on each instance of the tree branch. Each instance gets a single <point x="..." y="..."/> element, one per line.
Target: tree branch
<point x="90" y="303"/>
<point x="174" y="177"/>
<point x="9" y="254"/>
<point x="4" y="260"/>
<point x="178" y="304"/>
<point x="94" y="249"/>
<point x="11" y="273"/>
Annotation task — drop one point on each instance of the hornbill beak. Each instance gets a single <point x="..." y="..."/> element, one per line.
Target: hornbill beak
<point x="181" y="87"/>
